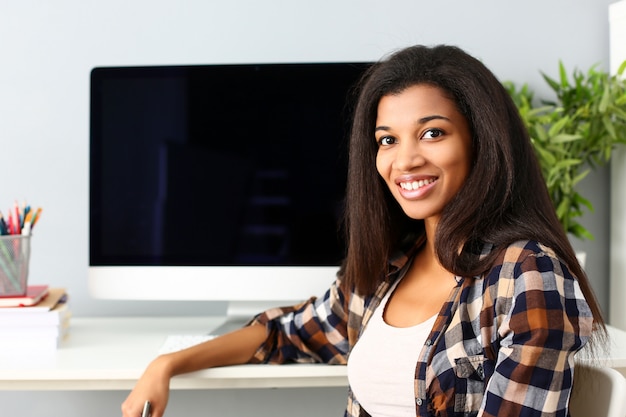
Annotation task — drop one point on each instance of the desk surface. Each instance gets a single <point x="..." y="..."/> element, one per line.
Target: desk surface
<point x="111" y="354"/>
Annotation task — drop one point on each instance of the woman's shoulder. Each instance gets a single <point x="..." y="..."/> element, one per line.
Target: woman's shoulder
<point x="529" y="261"/>
<point x="521" y="251"/>
<point x="528" y="269"/>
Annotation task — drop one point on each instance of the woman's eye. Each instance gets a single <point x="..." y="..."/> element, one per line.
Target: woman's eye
<point x="386" y="140"/>
<point x="432" y="133"/>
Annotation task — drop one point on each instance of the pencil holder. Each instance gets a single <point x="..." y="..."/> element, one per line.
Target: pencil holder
<point x="14" y="258"/>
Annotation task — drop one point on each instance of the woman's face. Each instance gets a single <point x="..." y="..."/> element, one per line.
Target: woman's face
<point x="424" y="149"/>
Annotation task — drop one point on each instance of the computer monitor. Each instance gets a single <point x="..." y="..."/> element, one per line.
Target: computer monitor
<point x="218" y="182"/>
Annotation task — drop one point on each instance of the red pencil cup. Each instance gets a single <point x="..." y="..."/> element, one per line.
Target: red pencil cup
<point x="14" y="258"/>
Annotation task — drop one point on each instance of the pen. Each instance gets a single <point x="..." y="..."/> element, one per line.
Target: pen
<point x="10" y="223"/>
<point x="17" y="229"/>
<point x="146" y="410"/>
<point x="35" y="217"/>
<point x="27" y="224"/>
<point x="26" y="212"/>
<point x="3" y="226"/>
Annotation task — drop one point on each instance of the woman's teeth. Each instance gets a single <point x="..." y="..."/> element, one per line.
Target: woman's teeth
<point x="414" y="185"/>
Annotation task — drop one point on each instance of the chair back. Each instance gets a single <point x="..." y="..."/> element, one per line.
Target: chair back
<point x="597" y="392"/>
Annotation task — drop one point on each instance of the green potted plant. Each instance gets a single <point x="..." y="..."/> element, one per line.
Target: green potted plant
<point x="574" y="134"/>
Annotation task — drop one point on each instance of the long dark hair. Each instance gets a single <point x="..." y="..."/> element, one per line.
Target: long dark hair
<point x="504" y="198"/>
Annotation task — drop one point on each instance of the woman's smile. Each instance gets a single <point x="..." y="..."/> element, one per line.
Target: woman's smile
<point x="414" y="188"/>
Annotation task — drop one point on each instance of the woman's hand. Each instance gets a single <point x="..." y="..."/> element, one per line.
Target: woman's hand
<point x="153" y="386"/>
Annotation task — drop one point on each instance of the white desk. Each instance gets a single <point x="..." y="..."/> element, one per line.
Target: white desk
<point x="111" y="354"/>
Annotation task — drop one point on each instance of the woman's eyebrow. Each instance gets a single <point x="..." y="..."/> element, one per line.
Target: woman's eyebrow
<point x="420" y="121"/>
<point x="427" y="119"/>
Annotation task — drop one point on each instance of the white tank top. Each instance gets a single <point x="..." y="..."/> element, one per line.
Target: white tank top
<point x="381" y="366"/>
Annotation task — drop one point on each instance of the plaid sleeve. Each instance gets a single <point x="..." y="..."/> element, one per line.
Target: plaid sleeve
<point x="545" y="322"/>
<point x="315" y="331"/>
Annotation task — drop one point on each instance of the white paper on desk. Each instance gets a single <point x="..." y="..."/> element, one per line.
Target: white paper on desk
<point x="176" y="342"/>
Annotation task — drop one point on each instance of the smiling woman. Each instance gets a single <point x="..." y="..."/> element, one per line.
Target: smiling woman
<point x="456" y="220"/>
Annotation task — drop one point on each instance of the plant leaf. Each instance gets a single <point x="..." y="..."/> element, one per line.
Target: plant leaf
<point x="621" y="68"/>
<point x="606" y="99"/>
<point x="563" y="75"/>
<point x="546" y="156"/>
<point x="618" y="112"/>
<point x="564" y="138"/>
<point x="580" y="232"/>
<point x="580" y="176"/>
<point x="552" y="83"/>
<point x="608" y="125"/>
<point x="566" y="163"/>
<point x="539" y="110"/>
<point x="563" y="208"/>
<point x="582" y="200"/>
<point x="558" y="126"/>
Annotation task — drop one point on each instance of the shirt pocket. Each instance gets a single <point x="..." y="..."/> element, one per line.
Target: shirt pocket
<point x="470" y="384"/>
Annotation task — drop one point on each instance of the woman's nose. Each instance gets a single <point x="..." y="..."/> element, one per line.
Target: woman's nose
<point x="408" y="156"/>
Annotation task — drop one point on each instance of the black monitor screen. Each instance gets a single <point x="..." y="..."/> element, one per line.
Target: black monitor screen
<point x="219" y="164"/>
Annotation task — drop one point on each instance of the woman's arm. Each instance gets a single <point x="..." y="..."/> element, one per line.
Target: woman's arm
<point x="314" y="331"/>
<point x="230" y="349"/>
<point x="547" y="321"/>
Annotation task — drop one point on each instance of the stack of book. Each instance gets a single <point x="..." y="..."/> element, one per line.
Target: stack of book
<point x="36" y="322"/>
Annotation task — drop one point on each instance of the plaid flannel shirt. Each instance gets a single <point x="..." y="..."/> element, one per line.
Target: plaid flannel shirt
<point x="502" y="344"/>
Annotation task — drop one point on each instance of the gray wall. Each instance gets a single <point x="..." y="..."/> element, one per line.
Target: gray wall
<point x="617" y="264"/>
<point x="48" y="48"/>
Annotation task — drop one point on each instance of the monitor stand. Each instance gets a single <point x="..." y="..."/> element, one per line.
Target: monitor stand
<point x="239" y="313"/>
